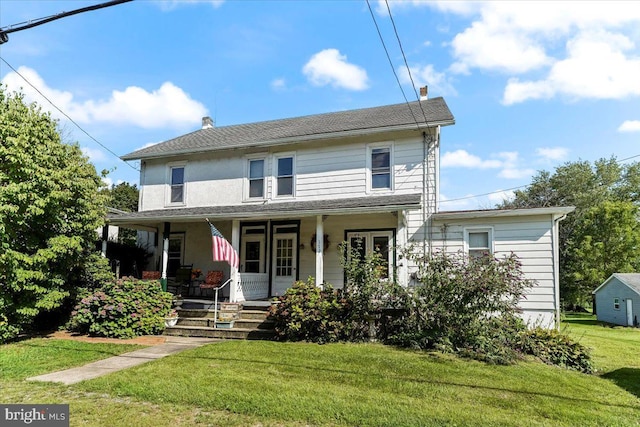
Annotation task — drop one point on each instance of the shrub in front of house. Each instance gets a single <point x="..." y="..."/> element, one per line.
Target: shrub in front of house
<point x="555" y="348"/>
<point x="307" y="312"/>
<point x="466" y="306"/>
<point x="125" y="308"/>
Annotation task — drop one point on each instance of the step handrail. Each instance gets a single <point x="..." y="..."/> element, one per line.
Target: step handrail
<point x="215" y="303"/>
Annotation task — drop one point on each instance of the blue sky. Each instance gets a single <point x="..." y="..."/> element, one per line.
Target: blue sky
<point x="532" y="85"/>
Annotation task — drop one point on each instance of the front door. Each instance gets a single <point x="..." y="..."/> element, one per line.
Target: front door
<point x="629" y="312"/>
<point x="285" y="260"/>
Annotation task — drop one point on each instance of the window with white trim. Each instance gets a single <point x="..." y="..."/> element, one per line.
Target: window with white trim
<point x="479" y="242"/>
<point x="616" y="303"/>
<point x="176" y="185"/>
<point x="380" y="167"/>
<point x="368" y="242"/>
<point x="256" y="178"/>
<point x="285" y="176"/>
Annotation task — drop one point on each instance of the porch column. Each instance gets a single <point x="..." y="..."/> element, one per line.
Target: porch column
<point x="401" y="245"/>
<point x="319" y="249"/>
<point x="165" y="254"/>
<point x="105" y="237"/>
<point x="234" y="275"/>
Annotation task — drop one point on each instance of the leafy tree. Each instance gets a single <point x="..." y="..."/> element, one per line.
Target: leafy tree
<point x="124" y="196"/>
<point x="606" y="241"/>
<point x="50" y="208"/>
<point x="585" y="186"/>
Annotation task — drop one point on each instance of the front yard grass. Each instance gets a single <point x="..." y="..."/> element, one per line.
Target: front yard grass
<point x="255" y="383"/>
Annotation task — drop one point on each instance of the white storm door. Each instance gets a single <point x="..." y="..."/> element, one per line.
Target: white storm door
<point x="629" y="312"/>
<point x="283" y="268"/>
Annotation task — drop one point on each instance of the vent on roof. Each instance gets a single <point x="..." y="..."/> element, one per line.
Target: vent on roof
<point x="424" y="93"/>
<point x="207" y="123"/>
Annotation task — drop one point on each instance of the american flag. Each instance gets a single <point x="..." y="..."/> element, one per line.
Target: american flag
<point x="222" y="249"/>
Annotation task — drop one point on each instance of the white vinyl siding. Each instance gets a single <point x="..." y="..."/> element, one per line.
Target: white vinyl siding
<point x="529" y="238"/>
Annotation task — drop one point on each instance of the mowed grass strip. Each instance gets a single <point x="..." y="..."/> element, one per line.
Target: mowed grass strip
<point x="371" y="385"/>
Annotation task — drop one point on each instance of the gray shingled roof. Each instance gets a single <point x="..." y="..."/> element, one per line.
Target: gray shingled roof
<point x="274" y="132"/>
<point x="630" y="279"/>
<point x="276" y="209"/>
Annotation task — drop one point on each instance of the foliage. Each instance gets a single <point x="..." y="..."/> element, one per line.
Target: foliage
<point x="587" y="187"/>
<point x="556" y="348"/>
<point x="50" y="207"/>
<point x="371" y="295"/>
<point x="122" y="309"/>
<point x="606" y="241"/>
<point x="467" y="306"/>
<point x="124" y="197"/>
<point x="310" y="313"/>
<point x="127" y="258"/>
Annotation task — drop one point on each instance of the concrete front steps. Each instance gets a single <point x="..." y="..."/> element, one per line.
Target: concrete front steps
<point x="235" y="321"/>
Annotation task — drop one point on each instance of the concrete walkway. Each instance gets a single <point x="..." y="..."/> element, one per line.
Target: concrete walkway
<point x="92" y="370"/>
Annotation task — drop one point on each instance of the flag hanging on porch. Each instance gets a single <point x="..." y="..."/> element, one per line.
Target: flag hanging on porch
<point x="222" y="249"/>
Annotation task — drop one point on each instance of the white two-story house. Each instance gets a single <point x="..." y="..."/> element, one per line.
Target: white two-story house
<point x="287" y="192"/>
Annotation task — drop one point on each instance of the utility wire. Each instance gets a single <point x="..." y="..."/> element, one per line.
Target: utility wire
<point x="405" y="62"/>
<point x="66" y="115"/>
<point x="391" y="64"/>
<point x="34" y="23"/>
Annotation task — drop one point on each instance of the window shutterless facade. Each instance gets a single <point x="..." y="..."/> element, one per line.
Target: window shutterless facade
<point x="256" y="178"/>
<point x="176" y="191"/>
<point x="368" y="242"/>
<point x="285" y="176"/>
<point x="381" y="168"/>
<point x="479" y="242"/>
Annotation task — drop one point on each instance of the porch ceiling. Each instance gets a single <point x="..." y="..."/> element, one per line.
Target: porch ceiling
<point x="377" y="204"/>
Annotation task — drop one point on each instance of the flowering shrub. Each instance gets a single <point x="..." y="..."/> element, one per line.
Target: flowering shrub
<point x="122" y="309"/>
<point x="308" y="313"/>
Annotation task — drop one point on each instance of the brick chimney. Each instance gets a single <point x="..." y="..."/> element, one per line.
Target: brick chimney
<point x="207" y="123"/>
<point x="424" y="93"/>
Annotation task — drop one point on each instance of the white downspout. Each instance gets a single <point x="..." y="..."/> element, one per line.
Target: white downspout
<point x="556" y="267"/>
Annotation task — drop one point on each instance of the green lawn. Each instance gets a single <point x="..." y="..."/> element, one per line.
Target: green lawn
<point x="241" y="383"/>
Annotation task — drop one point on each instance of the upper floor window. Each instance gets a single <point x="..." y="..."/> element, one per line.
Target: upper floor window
<point x="256" y="178"/>
<point x="285" y="176"/>
<point x="479" y="242"/>
<point x="177" y="185"/>
<point x="380" y="167"/>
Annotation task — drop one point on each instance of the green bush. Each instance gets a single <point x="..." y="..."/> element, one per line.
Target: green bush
<point x="307" y="312"/>
<point x="122" y="309"/>
<point x="556" y="348"/>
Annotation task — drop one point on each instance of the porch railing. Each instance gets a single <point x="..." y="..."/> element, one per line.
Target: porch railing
<point x="252" y="286"/>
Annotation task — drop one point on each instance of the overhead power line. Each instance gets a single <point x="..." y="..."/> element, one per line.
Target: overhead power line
<point x="35" y="22"/>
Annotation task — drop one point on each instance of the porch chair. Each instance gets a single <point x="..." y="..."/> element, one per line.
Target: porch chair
<point x="212" y="281"/>
<point x="183" y="280"/>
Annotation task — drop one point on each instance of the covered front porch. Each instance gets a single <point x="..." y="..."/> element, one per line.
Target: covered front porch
<point x="277" y="243"/>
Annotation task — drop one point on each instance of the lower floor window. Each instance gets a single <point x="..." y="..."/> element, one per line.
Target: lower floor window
<point x="368" y="242"/>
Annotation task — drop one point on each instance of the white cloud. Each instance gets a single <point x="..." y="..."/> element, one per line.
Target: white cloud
<point x="596" y="67"/>
<point x="462" y="159"/>
<point x="94" y="154"/>
<point x="167" y="107"/>
<point x="481" y="46"/>
<point x="278" y="84"/>
<point x="500" y="196"/>
<point x="329" y="67"/>
<point x="507" y="161"/>
<point x="630" y="126"/>
<point x="427" y="75"/>
<point x="552" y="153"/>
<point x="581" y="49"/>
<point x="167" y="5"/>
